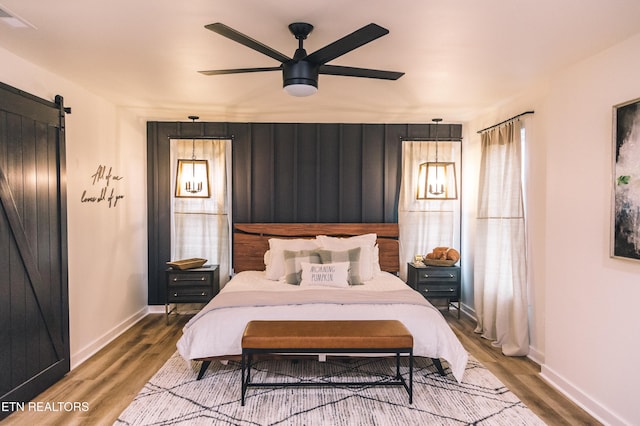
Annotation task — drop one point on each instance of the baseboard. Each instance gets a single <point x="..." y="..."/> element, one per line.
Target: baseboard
<point x="591" y="406"/>
<point x="99" y="343"/>
<point x="468" y="311"/>
<point x="180" y="309"/>
<point x="535" y="356"/>
<point x="156" y="309"/>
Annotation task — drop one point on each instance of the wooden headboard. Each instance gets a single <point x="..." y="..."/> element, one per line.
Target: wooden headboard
<point x="251" y="240"/>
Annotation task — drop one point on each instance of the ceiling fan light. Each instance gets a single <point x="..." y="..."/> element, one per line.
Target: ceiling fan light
<point x="300" y="78"/>
<point x="300" y="90"/>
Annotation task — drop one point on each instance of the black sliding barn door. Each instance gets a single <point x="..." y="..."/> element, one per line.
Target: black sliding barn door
<point x="34" y="320"/>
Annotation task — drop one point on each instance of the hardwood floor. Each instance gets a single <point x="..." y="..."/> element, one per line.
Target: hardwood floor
<point x="108" y="381"/>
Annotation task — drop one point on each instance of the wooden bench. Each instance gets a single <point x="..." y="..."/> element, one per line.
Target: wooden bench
<point x="327" y="337"/>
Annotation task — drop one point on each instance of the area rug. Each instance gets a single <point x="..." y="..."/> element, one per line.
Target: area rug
<point x="174" y="396"/>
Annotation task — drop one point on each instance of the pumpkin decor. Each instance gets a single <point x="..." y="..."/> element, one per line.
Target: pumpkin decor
<point x="442" y="256"/>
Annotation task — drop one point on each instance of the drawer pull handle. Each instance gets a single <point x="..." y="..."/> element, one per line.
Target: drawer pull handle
<point x="176" y="279"/>
<point x="450" y="276"/>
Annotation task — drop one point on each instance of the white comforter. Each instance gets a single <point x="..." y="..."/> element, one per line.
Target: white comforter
<point x="217" y="330"/>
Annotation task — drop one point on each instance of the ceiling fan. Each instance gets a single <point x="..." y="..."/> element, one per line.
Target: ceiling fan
<point x="300" y="73"/>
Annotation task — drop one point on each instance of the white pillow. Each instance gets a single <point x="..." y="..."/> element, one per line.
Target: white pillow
<point x="325" y="274"/>
<point x="376" y="259"/>
<point x="277" y="246"/>
<point x="368" y="259"/>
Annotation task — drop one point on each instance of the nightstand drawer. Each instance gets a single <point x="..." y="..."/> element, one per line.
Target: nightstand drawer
<point x="443" y="275"/>
<point x="189" y="294"/>
<point x="189" y="279"/>
<point x="440" y="291"/>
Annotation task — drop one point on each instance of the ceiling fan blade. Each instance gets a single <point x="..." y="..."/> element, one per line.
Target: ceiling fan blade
<point x="239" y="70"/>
<point x="238" y="37"/>
<point x="347" y="43"/>
<point x="359" y="72"/>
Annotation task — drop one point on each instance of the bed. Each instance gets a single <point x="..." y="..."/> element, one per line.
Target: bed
<point x="275" y="280"/>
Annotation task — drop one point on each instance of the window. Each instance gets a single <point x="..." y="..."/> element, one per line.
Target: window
<point x="201" y="227"/>
<point x="426" y="223"/>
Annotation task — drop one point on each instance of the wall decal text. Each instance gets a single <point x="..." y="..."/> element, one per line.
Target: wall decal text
<point x="104" y="180"/>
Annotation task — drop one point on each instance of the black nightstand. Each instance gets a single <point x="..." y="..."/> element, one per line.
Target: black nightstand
<point x="198" y="285"/>
<point x="436" y="282"/>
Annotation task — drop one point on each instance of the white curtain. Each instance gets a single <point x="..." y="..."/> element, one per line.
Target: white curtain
<point x="500" y="269"/>
<point x="425" y="224"/>
<point x="200" y="227"/>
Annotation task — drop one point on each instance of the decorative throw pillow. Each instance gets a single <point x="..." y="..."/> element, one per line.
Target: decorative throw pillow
<point x="277" y="246"/>
<point x="292" y="263"/>
<point x="369" y="263"/>
<point x="352" y="256"/>
<point x="325" y="274"/>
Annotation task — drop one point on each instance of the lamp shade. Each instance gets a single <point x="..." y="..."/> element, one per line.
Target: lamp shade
<point x="437" y="181"/>
<point x="192" y="179"/>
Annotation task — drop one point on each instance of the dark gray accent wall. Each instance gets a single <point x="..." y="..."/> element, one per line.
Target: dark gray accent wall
<point x="289" y="172"/>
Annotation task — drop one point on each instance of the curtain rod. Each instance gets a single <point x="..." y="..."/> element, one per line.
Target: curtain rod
<point x="428" y="139"/>
<point x="202" y="137"/>
<point x="506" y="121"/>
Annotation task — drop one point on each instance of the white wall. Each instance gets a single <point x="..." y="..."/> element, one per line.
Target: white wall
<point x="585" y="329"/>
<point x="592" y="333"/>
<point x="107" y="246"/>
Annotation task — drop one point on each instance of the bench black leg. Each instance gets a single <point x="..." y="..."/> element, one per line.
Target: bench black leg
<point x="408" y="387"/>
<point x="438" y="365"/>
<point x="243" y="384"/>
<point x="249" y="361"/>
<point x="411" y="377"/>
<point x="203" y="368"/>
<point x="245" y="375"/>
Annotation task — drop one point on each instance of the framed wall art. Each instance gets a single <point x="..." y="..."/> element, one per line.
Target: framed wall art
<point x="625" y="235"/>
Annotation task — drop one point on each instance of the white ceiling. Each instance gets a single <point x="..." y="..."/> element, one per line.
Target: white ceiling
<point x="460" y="56"/>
